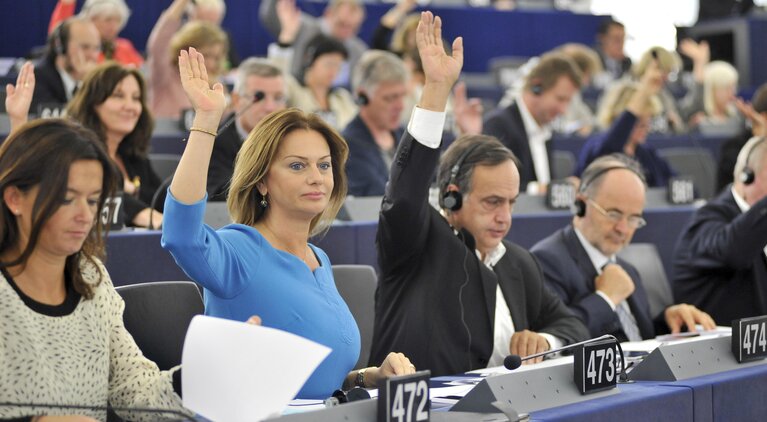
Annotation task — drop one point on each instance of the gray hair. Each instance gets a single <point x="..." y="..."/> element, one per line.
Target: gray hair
<point x="471" y="151"/>
<point x="93" y="8"/>
<point x="376" y="67"/>
<point x="749" y="157"/>
<point x="255" y="66"/>
<point x="593" y="176"/>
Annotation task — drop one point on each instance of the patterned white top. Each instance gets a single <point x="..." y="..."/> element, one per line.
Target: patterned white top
<point x="83" y="357"/>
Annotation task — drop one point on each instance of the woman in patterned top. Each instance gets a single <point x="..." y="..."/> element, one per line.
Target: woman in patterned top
<point x="63" y="347"/>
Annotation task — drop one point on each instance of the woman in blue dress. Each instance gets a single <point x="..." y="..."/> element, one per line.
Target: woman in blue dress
<point x="288" y="184"/>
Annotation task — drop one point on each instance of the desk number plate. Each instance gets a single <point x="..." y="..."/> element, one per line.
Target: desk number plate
<point x="596" y="367"/>
<point x="405" y="398"/>
<point x="749" y="338"/>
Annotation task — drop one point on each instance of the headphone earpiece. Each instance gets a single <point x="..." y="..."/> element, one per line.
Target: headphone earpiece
<point x="579" y="207"/>
<point x="452" y="200"/>
<point x="59" y="39"/>
<point x="536" y="89"/>
<point x="362" y="99"/>
<point x="747" y="176"/>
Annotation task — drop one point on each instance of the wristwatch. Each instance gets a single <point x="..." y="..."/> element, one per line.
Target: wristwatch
<point x="359" y="381"/>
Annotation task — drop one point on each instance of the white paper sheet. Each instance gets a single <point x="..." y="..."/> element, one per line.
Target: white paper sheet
<point x="241" y="372"/>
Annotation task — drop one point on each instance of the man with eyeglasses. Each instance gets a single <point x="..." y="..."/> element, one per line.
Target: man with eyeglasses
<point x="259" y="90"/>
<point x="580" y="261"/>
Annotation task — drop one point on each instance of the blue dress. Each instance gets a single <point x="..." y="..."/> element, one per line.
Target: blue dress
<point x="243" y="275"/>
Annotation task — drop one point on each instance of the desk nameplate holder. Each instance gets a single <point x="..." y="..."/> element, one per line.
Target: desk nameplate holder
<point x="357" y="411"/>
<point x="527" y="391"/>
<point x="674" y="362"/>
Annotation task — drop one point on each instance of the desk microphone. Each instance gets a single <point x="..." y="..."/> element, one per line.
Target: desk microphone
<point x="512" y="362"/>
<point x="257" y="96"/>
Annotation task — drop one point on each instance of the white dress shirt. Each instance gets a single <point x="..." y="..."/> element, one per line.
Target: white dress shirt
<point x="537" y="137"/>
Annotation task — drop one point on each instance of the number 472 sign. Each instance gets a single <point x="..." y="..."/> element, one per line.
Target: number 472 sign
<point x="405" y="398"/>
<point x="749" y="338"/>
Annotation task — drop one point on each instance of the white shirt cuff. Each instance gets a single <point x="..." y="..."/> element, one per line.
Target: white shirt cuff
<point x="426" y="126"/>
<point x="607" y="299"/>
<point x="554" y="342"/>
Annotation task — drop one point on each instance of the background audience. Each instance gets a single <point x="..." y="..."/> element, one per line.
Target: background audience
<point x="112" y="103"/>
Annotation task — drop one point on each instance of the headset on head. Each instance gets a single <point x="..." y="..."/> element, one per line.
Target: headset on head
<point x="367" y="71"/>
<point x="579" y="205"/>
<point x="536" y="89"/>
<point x="748" y="175"/>
<point x="453" y="200"/>
<point x="60" y="37"/>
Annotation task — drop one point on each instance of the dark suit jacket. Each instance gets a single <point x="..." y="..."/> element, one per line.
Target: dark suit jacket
<point x="221" y="168"/>
<point x="430" y="277"/>
<point x="570" y="273"/>
<point x="366" y="170"/>
<point x="506" y="124"/>
<point x="657" y="171"/>
<point x="142" y="168"/>
<point x="49" y="88"/>
<point x="719" y="262"/>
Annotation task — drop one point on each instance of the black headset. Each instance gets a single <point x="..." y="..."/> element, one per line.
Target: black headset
<point x="60" y="38"/>
<point x="579" y="205"/>
<point x="536" y="89"/>
<point x="748" y="175"/>
<point x="362" y="97"/>
<point x="451" y="199"/>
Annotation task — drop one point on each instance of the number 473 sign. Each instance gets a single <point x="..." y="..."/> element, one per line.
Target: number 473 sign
<point x="405" y="398"/>
<point x="749" y="338"/>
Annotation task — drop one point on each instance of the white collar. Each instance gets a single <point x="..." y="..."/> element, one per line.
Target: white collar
<point x="240" y="130"/>
<point x="533" y="129"/>
<point x="742" y="204"/>
<point x="492" y="257"/>
<point x="69" y="82"/>
<point x="598" y="259"/>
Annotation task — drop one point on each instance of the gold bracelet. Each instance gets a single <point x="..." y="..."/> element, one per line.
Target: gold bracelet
<point x="197" y="129"/>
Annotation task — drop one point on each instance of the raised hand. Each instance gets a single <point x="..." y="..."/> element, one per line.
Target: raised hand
<point x="290" y="20"/>
<point x="18" y="97"/>
<point x="194" y="79"/>
<point x="438" y="66"/>
<point x="468" y="112"/>
<point x="440" y="69"/>
<point x="758" y="121"/>
<point x="697" y="52"/>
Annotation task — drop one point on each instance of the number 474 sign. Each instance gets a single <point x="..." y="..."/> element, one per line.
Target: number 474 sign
<point x="405" y="398"/>
<point x="749" y="338"/>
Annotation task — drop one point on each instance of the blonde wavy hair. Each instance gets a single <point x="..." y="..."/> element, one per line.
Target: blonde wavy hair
<point x="259" y="152"/>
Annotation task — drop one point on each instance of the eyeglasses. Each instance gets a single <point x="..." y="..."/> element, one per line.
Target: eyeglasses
<point x="634" y="221"/>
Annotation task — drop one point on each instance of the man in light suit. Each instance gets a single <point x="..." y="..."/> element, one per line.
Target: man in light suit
<point x="452" y="294"/>
<point x="719" y="261"/>
<point x="580" y="263"/>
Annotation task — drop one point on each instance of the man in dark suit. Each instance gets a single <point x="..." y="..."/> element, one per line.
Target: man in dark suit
<point x="452" y="294"/>
<point x="523" y="126"/>
<point x="611" y="39"/>
<point x="719" y="260"/>
<point x="379" y="82"/>
<point x="258" y="91"/>
<point x="72" y="51"/>
<point x="580" y="263"/>
<point x="728" y="152"/>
